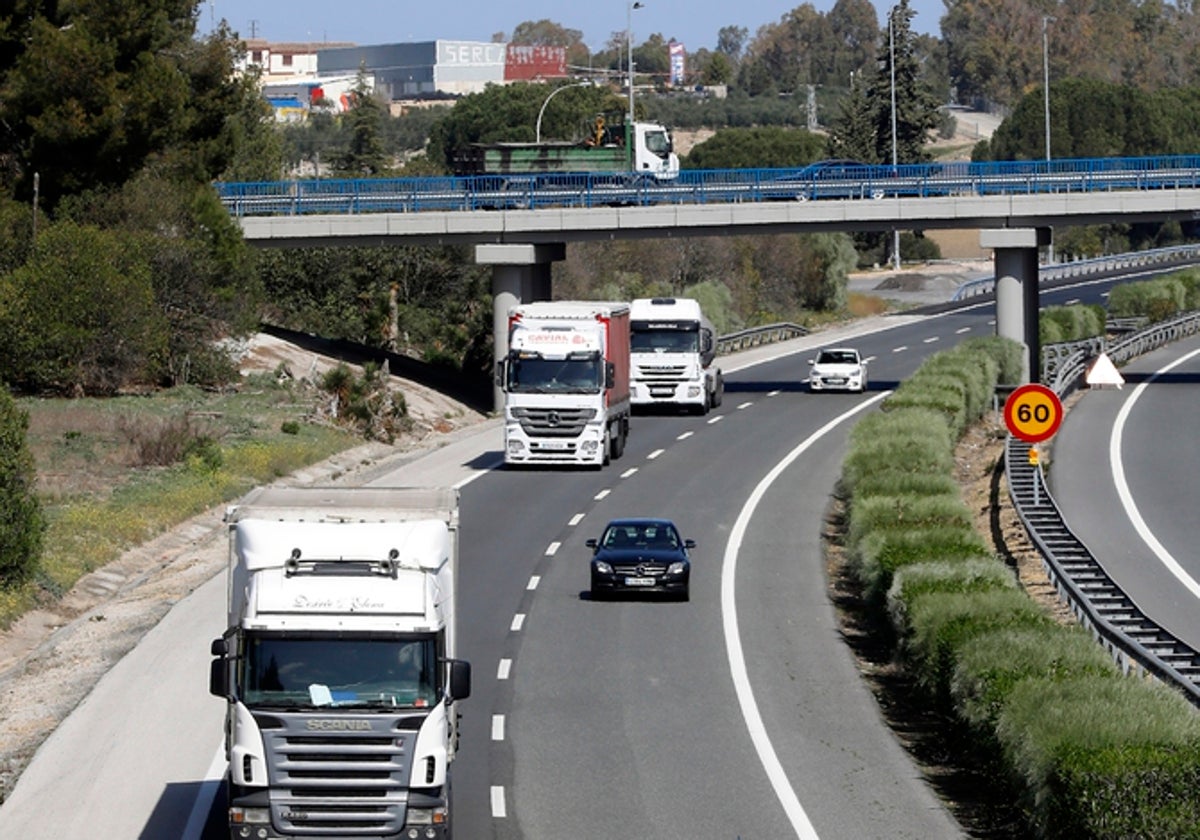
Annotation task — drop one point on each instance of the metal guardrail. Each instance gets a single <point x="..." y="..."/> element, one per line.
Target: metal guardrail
<point x="707" y="186"/>
<point x="1157" y="257"/>
<point x="1133" y="639"/>
<point x="754" y="336"/>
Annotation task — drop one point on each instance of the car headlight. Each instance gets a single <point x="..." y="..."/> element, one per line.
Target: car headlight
<point x="676" y="568"/>
<point x="602" y="567"/>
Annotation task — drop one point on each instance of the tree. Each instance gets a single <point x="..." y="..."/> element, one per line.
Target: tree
<point x="753" y="148"/>
<point x="852" y="135"/>
<point x="364" y="155"/>
<point x="80" y="316"/>
<point x="21" y="521"/>
<point x="916" y="108"/>
<point x="731" y="42"/>
<point x="548" y="33"/>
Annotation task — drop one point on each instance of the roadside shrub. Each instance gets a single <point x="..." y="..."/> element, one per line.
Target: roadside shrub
<point x="1008" y="355"/>
<point x="877" y="513"/>
<point x="948" y="401"/>
<point x="1070" y="323"/>
<point x="1103" y="757"/>
<point x="22" y="523"/>
<point x="973" y="574"/>
<point x="898" y="482"/>
<point x="1157" y="299"/>
<point x="881" y="554"/>
<point x="991" y="665"/>
<point x="940" y="623"/>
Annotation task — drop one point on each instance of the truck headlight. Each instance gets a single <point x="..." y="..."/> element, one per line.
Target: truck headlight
<point x="588" y="447"/>
<point x="516" y="447"/>
<point x="254" y="816"/>
<point x="426" y="816"/>
<point x="693" y="390"/>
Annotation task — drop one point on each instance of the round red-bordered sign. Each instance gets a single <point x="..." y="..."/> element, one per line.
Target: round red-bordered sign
<point x="1033" y="413"/>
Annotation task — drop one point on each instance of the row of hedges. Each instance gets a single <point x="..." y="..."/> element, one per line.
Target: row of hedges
<point x="1091" y="752"/>
<point x="1158" y="299"/>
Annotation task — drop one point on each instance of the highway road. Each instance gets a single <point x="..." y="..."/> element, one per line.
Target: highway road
<point x="1126" y="482"/>
<point x="739" y="714"/>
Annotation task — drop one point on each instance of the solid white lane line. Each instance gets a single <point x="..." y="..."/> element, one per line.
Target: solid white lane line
<point x="214" y="777"/>
<point x="504" y="670"/>
<point x="1131" y="509"/>
<point x="733" y="642"/>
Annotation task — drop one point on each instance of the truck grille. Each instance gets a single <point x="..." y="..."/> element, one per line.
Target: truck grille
<point x="349" y="781"/>
<point x="553" y="422"/>
<point x="652" y="374"/>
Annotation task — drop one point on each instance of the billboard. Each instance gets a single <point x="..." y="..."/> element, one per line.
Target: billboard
<point x="678" y="56"/>
<point x="528" y="62"/>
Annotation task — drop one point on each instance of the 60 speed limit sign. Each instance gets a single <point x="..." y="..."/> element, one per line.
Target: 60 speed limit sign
<point x="1033" y="413"/>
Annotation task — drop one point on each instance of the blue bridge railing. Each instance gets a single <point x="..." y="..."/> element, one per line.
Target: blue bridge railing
<point x="606" y="189"/>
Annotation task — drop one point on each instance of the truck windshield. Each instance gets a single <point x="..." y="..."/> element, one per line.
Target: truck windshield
<point x="657" y="340"/>
<point x="338" y="671"/>
<point x="659" y="143"/>
<point x="535" y="375"/>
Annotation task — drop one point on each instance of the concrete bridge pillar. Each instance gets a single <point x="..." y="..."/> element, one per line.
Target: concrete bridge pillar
<point x="520" y="274"/>
<point x="1016" y="263"/>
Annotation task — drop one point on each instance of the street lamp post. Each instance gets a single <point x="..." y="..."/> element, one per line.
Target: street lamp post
<point x="629" y="7"/>
<point x="1046" y="77"/>
<point x="538" y="130"/>
<point x="895" y="159"/>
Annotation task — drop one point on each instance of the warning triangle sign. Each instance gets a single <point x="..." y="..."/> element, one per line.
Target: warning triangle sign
<point x="1102" y="373"/>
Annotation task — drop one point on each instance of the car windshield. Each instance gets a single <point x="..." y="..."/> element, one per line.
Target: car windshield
<point x="641" y="535"/>
<point x="837" y="357"/>
<point x="338" y="671"/>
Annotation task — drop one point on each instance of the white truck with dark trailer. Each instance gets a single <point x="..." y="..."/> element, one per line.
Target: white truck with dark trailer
<point x="672" y="350"/>
<point x="339" y="663"/>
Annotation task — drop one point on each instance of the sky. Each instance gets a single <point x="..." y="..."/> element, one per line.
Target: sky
<point x="388" y="21"/>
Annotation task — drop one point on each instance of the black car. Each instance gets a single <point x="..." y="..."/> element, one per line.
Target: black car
<point x="640" y="555"/>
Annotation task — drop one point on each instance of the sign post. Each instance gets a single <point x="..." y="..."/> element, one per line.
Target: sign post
<point x="1033" y="414"/>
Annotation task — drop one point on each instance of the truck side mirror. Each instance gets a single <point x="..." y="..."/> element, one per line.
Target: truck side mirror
<point x="500" y="365"/>
<point x="610" y="374"/>
<point x="218" y="678"/>
<point x="460" y="679"/>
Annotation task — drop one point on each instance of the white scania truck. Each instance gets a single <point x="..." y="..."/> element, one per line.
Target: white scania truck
<point x="673" y="347"/>
<point x="566" y="383"/>
<point x="338" y="665"/>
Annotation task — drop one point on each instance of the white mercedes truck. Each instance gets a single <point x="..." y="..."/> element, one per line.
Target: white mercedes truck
<point x="338" y="664"/>
<point x="672" y="350"/>
<point x="566" y="383"/>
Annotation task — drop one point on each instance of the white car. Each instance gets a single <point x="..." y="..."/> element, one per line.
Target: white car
<point x="838" y="369"/>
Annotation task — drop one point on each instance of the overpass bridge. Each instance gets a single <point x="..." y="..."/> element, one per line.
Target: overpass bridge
<point x="520" y="225"/>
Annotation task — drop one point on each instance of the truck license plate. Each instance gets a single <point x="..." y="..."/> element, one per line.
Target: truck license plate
<point x="636" y="581"/>
<point x="554" y="444"/>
